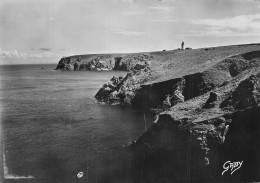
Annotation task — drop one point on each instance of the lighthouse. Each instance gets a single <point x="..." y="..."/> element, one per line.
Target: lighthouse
<point x="182" y="45"/>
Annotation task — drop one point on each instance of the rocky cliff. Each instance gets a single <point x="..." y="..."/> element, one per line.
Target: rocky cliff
<point x="165" y="83"/>
<point x="208" y="102"/>
<point x="104" y="62"/>
<point x="193" y="139"/>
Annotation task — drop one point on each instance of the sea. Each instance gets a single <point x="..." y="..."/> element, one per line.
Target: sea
<point x="53" y="129"/>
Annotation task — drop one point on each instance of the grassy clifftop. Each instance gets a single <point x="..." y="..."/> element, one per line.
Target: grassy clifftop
<point x="165" y="64"/>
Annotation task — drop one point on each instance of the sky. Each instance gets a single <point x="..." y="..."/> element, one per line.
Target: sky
<point x="43" y="31"/>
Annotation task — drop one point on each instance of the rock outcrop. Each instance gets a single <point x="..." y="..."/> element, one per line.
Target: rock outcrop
<point x="105" y="63"/>
<point x="121" y="90"/>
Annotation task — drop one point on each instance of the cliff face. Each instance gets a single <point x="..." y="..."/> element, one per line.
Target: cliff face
<point x="208" y="118"/>
<point x="104" y="62"/>
<point x="192" y="140"/>
<point x="135" y="88"/>
<point x="182" y="150"/>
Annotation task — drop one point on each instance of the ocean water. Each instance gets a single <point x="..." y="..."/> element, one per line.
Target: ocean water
<point x="53" y="128"/>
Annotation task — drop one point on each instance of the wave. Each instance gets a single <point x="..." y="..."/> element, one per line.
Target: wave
<point x="10" y="176"/>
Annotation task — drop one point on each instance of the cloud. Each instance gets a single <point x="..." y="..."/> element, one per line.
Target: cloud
<point x="165" y="19"/>
<point x="241" y="22"/>
<point x="127" y="32"/>
<point x="17" y="54"/>
<point x="45" y="49"/>
<point x="161" y="8"/>
<point x="142" y="1"/>
<point x="167" y="1"/>
<point x="216" y="33"/>
<point x="10" y="54"/>
<point x="127" y="1"/>
<point x="124" y="1"/>
<point x="243" y="25"/>
<point x="131" y="13"/>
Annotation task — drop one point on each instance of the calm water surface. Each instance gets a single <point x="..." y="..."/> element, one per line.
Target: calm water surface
<point x="53" y="127"/>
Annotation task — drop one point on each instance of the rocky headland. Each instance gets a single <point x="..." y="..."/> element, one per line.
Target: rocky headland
<point x="105" y="62"/>
<point x="207" y="107"/>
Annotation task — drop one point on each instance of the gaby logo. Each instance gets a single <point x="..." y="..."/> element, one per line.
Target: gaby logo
<point x="232" y="166"/>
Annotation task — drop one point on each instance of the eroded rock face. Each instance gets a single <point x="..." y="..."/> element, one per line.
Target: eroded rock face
<point x="204" y="139"/>
<point x="99" y="63"/>
<point x="122" y="90"/>
<point x="65" y="64"/>
<point x="102" y="63"/>
<point x="247" y="94"/>
<point x="211" y="100"/>
<point x="168" y="93"/>
<point x="164" y="94"/>
<point x="216" y="123"/>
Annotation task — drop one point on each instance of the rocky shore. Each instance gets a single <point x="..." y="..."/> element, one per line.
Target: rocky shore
<point x="207" y="104"/>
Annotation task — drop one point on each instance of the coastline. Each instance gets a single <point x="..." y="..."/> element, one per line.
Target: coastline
<point x="199" y="97"/>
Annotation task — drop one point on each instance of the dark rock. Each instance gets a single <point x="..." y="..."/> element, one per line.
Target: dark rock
<point x="167" y="102"/>
<point x="77" y="65"/>
<point x="177" y="97"/>
<point x="65" y="64"/>
<point x="247" y="94"/>
<point x="195" y="85"/>
<point x="69" y="67"/>
<point x="139" y="66"/>
<point x="155" y="95"/>
<point x="118" y="63"/>
<point x="210" y="102"/>
<point x="219" y="121"/>
<point x="223" y="84"/>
